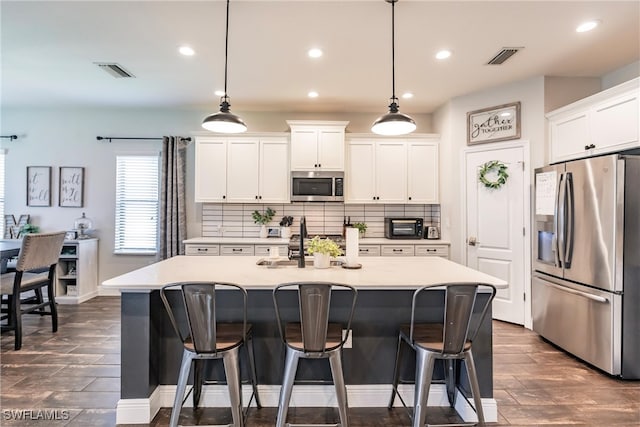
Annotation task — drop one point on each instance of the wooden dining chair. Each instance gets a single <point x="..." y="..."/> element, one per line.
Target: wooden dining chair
<point x="38" y="251"/>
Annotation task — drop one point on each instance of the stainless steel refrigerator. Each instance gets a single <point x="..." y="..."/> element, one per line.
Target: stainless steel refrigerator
<point x="586" y="281"/>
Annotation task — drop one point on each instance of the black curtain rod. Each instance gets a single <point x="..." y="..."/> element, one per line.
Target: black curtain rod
<point x="11" y="137"/>
<point x="109" y="138"/>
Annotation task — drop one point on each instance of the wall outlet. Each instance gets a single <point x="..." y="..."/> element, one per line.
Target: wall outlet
<point x="348" y="343"/>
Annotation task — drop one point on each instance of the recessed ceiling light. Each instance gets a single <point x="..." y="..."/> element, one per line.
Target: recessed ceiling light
<point x="186" y="51"/>
<point x="407" y="95"/>
<point x="314" y="53"/>
<point x="312" y="94"/>
<point x="219" y="93"/>
<point x="587" y="26"/>
<point x="443" y="54"/>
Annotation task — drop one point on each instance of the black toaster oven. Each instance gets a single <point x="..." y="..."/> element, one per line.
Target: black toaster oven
<point x="403" y="228"/>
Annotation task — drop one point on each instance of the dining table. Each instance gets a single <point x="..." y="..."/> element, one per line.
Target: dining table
<point x="9" y="248"/>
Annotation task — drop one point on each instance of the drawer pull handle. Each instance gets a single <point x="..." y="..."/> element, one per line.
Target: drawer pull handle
<point x="236" y="250"/>
<point x="574" y="292"/>
<point x="203" y="249"/>
<point x="397" y="250"/>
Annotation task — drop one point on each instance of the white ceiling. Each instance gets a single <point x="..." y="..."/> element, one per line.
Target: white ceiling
<point x="48" y="49"/>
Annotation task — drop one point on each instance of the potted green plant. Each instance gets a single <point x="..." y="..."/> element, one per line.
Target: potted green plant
<point x="263" y="219"/>
<point x="285" y="224"/>
<point x="361" y="226"/>
<point x="28" y="229"/>
<point x="323" y="250"/>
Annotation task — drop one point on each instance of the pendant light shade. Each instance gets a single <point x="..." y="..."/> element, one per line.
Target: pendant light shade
<point x="394" y="122"/>
<point x="224" y="121"/>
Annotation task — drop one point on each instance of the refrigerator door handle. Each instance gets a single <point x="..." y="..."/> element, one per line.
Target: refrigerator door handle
<point x="570" y="220"/>
<point x="558" y="223"/>
<point x="574" y="292"/>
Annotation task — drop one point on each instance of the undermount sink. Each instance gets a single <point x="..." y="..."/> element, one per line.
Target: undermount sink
<point x="285" y="262"/>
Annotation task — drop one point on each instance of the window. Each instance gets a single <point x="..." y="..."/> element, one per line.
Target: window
<point x="137" y="204"/>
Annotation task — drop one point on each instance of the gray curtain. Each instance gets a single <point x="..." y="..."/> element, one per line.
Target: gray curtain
<point x="173" y="220"/>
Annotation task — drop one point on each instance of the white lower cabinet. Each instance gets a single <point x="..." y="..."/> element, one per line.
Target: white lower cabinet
<point x="77" y="271"/>
<point x="264" y="250"/>
<point x="204" y="249"/>
<point x="432" y="250"/>
<point x="369" y="250"/>
<point x="397" y="250"/>
<point x="236" y="250"/>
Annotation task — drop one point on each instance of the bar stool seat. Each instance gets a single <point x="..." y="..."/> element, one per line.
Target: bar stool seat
<point x="312" y="336"/>
<point x="206" y="338"/>
<point x="450" y="340"/>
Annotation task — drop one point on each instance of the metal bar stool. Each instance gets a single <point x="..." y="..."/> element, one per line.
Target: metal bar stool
<point x="450" y="340"/>
<point x="313" y="336"/>
<point x="206" y="338"/>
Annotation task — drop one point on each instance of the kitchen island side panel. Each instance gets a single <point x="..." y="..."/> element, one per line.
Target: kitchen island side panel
<point x="375" y="325"/>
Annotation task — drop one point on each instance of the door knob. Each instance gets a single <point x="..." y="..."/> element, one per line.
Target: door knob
<point x="472" y="241"/>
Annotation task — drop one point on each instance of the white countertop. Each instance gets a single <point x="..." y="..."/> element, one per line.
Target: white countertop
<point x="279" y="241"/>
<point x="376" y="273"/>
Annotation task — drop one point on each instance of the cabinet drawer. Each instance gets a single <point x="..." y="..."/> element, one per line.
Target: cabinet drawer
<point x="440" y="250"/>
<point x="397" y="250"/>
<point x="263" y="250"/>
<point x="202" y="250"/>
<point x="236" y="249"/>
<point x="369" y="250"/>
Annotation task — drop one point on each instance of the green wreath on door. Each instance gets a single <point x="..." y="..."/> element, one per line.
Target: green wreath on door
<point x="496" y="166"/>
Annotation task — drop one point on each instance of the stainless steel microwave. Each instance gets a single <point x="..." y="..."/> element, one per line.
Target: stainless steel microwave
<point x="315" y="186"/>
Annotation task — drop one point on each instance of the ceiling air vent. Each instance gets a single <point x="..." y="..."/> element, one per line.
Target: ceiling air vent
<point x="116" y="70"/>
<point x="503" y="55"/>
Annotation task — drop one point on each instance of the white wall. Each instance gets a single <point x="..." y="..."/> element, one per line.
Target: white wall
<point x="621" y="75"/>
<point x="450" y="123"/>
<point x="67" y="137"/>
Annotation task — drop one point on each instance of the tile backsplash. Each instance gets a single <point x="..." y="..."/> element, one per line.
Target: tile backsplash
<point x="234" y="220"/>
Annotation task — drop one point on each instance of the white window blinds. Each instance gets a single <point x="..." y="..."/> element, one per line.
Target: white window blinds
<point x="137" y="201"/>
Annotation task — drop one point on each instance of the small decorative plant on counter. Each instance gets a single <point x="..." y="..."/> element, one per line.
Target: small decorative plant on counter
<point x="361" y="226"/>
<point x="285" y="224"/>
<point x="28" y="229"/>
<point x="323" y="250"/>
<point x="263" y="219"/>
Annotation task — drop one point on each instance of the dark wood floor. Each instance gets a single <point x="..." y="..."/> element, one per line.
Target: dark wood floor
<point x="76" y="372"/>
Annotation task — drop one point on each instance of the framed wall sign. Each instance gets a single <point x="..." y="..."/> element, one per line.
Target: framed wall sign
<point x="38" y="185"/>
<point x="493" y="124"/>
<point x="71" y="189"/>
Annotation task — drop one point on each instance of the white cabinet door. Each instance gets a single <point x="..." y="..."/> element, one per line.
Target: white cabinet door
<point x="331" y="149"/>
<point x="360" y="172"/>
<point x="391" y="171"/>
<point x="569" y="136"/>
<point x="274" y="170"/>
<point x="210" y="170"/>
<point x="614" y="124"/>
<point x="242" y="170"/>
<point x="304" y="149"/>
<point x="422" y="172"/>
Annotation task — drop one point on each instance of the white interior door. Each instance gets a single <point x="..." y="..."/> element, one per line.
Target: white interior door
<point x="495" y="227"/>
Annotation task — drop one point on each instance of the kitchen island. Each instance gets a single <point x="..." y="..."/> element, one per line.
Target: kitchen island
<point x="150" y="354"/>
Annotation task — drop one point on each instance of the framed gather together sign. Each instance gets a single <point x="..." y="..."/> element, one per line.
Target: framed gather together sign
<point x="499" y="123"/>
<point x="70" y="191"/>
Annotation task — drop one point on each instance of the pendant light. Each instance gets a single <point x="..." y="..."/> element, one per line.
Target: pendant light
<point x="224" y="121"/>
<point x="394" y="122"/>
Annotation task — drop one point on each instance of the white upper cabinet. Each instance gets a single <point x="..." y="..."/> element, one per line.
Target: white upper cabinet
<point x="211" y="169"/>
<point x="242" y="169"/>
<point x="317" y="145"/>
<point x="606" y="122"/>
<point x="423" y="172"/>
<point x="392" y="170"/>
<point x="274" y="170"/>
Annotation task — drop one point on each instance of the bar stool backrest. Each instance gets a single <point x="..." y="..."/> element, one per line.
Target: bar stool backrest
<point x="40" y="250"/>
<point x="460" y="300"/>
<point x="314" y="300"/>
<point x="199" y="299"/>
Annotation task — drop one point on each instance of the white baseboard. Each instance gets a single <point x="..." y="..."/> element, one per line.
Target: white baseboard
<point x="142" y="411"/>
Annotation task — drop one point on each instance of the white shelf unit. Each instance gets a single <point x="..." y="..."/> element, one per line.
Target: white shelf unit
<point x="77" y="272"/>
